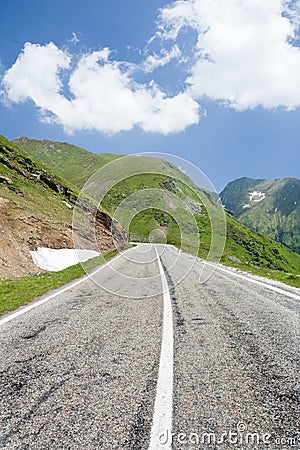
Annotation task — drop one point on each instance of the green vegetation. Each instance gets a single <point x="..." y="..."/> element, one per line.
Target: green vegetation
<point x="72" y="163"/>
<point x="244" y="248"/>
<point x="30" y="187"/>
<point x="260" y="255"/>
<point x="19" y="291"/>
<point x="150" y="220"/>
<point x="291" y="279"/>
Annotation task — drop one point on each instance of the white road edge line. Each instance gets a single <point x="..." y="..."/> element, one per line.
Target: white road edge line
<point x="259" y="283"/>
<point x="33" y="305"/>
<point x="163" y="406"/>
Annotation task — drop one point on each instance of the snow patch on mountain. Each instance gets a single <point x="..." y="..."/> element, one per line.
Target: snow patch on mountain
<point x="256" y="196"/>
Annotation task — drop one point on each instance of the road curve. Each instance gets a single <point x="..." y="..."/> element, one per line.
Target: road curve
<point x="80" y="371"/>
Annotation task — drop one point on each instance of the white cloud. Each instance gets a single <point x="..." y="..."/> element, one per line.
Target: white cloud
<point x="74" y="39"/>
<point x="173" y="113"/>
<point x="154" y="61"/>
<point x="103" y="95"/>
<point x="35" y="75"/>
<point x="244" y="54"/>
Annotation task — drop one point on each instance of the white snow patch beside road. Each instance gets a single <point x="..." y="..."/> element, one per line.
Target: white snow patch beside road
<point x="54" y="260"/>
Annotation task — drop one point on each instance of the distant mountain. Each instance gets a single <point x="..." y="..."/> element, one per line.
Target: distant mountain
<point x="244" y="248"/>
<point x="270" y="207"/>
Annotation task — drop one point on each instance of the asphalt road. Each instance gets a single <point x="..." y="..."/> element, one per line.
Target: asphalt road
<point x="91" y="367"/>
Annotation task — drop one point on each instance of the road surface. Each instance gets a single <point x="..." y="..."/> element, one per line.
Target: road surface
<point x="116" y="363"/>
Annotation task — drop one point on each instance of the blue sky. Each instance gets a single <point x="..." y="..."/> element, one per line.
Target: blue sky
<point x="214" y="82"/>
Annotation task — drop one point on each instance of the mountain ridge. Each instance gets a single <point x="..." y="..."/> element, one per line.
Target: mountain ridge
<point x="54" y="155"/>
<point x="270" y="207"/>
<point x="244" y="249"/>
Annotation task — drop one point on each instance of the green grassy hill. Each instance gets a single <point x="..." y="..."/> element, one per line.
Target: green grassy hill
<point x="36" y="210"/>
<point x="65" y="159"/>
<point x="270" y="207"/>
<point x="244" y="248"/>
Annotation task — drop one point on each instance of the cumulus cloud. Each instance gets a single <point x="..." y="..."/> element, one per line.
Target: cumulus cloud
<point x="100" y="94"/>
<point x="245" y="55"/>
<point x="241" y="53"/>
<point x="35" y="75"/>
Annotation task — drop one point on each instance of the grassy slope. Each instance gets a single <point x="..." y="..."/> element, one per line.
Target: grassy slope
<point x="19" y="291"/>
<point x="260" y="255"/>
<point x="30" y="194"/>
<point x="257" y="253"/>
<point x="31" y="199"/>
<point x="25" y="197"/>
<point x="65" y="159"/>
